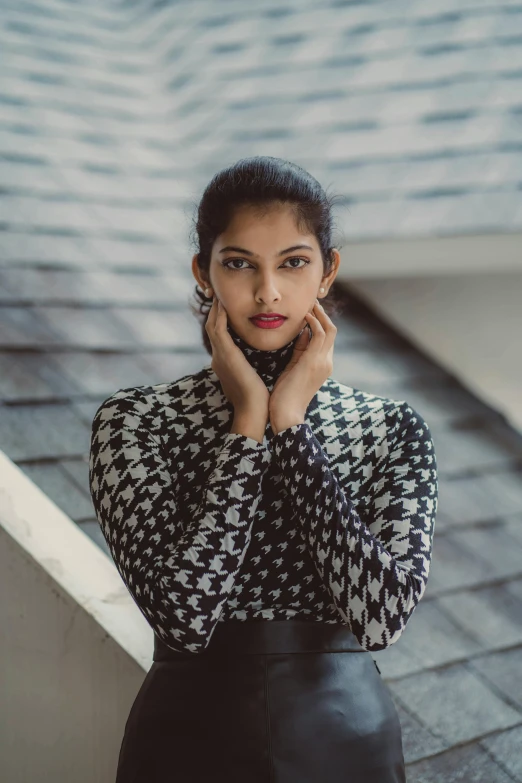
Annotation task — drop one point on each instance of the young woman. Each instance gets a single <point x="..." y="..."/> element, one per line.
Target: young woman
<point x="273" y="525"/>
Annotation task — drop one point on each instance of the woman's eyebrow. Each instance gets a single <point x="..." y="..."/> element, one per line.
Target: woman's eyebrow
<point x="249" y="252"/>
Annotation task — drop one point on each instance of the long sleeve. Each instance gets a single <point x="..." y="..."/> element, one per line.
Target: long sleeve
<point x="375" y="573"/>
<point x="179" y="570"/>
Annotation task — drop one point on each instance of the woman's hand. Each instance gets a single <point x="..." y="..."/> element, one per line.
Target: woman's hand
<point x="311" y="364"/>
<point x="241" y="384"/>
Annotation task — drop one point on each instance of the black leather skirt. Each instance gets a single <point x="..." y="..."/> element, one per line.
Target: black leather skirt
<point x="267" y="702"/>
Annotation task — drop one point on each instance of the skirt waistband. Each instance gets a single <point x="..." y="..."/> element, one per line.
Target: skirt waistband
<point x="268" y="637"/>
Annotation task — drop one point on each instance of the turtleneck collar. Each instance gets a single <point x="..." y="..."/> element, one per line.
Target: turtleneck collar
<point x="268" y="364"/>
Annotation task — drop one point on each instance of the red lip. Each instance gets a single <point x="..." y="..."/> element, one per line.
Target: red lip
<point x="267" y="315"/>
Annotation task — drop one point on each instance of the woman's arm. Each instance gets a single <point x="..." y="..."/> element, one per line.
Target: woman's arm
<point x="375" y="573"/>
<point x="179" y="570"/>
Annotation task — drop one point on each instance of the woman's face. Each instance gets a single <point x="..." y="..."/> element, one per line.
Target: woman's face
<point x="264" y="275"/>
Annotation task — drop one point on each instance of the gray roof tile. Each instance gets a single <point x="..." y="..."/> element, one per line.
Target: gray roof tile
<point x="160" y="328"/>
<point x="29" y="376"/>
<point x="453" y="567"/>
<point x="126" y="254"/>
<point x="478" y="449"/>
<point x="504" y="747"/>
<point x="61" y="286"/>
<point x="495" y="545"/>
<point x="85" y="410"/>
<point x="42" y="250"/>
<point x="78" y="471"/>
<point x="396" y="661"/>
<point x="469" y="763"/>
<point x="163" y="366"/>
<point x="491" y="615"/>
<point x="480" y="498"/>
<point x="454" y="703"/>
<point x="513" y="525"/>
<point x="41" y="180"/>
<point x="37" y="432"/>
<point x="92" y="529"/>
<point x="443" y="402"/>
<point x="477" y="555"/>
<point x="48" y="285"/>
<point x="22" y="327"/>
<point x="55" y="482"/>
<point x="417" y="740"/>
<point x="17" y="382"/>
<point x="77" y="327"/>
<point x="436" y="638"/>
<point x="102" y="373"/>
<point x="502" y="670"/>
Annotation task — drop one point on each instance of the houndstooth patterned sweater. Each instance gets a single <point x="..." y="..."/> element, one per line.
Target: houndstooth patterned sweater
<point x="330" y="520"/>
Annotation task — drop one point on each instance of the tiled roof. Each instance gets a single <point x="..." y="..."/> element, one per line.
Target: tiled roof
<point x="112" y="119"/>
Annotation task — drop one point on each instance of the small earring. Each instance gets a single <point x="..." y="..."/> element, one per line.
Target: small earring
<point x="321" y="289"/>
<point x="206" y="291"/>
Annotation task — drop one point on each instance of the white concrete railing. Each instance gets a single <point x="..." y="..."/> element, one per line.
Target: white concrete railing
<point x="74" y="647"/>
<point x="430" y="256"/>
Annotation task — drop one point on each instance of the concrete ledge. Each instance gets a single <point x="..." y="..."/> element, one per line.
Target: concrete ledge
<point x="72" y="560"/>
<point x="431" y="256"/>
<point x="73" y="645"/>
<point x="470" y="324"/>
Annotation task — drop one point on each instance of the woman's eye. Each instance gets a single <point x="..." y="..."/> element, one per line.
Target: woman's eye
<point x="226" y="264"/>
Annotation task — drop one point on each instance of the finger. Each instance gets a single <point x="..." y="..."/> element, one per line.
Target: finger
<point x="211" y="318"/>
<point x="321" y="313"/>
<point x="328" y="325"/>
<point x="318" y="334"/>
<point x="221" y="335"/>
<point x="323" y="316"/>
<point x="221" y="317"/>
<point x="218" y="308"/>
<point x="212" y="324"/>
<point x="302" y="341"/>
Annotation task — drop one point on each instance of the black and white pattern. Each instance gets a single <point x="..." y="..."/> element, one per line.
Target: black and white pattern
<point x="331" y="520"/>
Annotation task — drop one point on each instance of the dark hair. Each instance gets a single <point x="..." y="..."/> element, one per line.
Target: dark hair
<point x="259" y="182"/>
